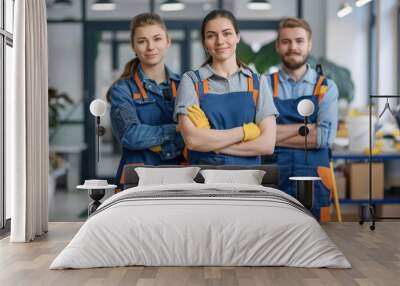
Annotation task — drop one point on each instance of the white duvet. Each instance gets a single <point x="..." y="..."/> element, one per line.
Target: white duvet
<point x="207" y="230"/>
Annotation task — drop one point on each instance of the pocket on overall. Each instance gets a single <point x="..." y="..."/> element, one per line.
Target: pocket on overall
<point x="147" y="110"/>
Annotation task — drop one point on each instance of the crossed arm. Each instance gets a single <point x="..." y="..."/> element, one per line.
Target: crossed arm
<point x="229" y="141"/>
<point x="207" y="140"/>
<point x="288" y="136"/>
<point x="322" y="133"/>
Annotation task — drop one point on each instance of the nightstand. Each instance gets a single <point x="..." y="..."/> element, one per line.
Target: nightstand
<point x="305" y="190"/>
<point x="96" y="190"/>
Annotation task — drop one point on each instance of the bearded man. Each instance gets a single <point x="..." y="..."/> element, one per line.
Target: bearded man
<point x="296" y="81"/>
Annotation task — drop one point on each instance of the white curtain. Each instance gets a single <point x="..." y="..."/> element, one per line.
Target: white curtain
<point x="27" y="123"/>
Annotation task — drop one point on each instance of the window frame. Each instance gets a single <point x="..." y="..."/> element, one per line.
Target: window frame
<point x="6" y="39"/>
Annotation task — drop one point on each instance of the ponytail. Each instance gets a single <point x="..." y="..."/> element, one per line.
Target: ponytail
<point x="129" y="69"/>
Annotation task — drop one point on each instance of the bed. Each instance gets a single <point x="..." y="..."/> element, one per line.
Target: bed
<point x="201" y="224"/>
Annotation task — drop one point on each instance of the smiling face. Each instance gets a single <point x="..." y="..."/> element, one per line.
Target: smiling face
<point x="150" y="44"/>
<point x="220" y="39"/>
<point x="293" y="46"/>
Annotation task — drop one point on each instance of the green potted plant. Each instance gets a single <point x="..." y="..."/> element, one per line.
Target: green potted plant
<point x="56" y="102"/>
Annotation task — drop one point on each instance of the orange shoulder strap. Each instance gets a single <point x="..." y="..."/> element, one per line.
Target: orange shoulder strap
<point x="173" y="87"/>
<point x="318" y="85"/>
<point x="276" y="83"/>
<point x="250" y="88"/>
<point x="205" y="86"/>
<point x="139" y="85"/>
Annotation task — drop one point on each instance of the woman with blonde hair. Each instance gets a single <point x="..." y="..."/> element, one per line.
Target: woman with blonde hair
<point x="142" y="99"/>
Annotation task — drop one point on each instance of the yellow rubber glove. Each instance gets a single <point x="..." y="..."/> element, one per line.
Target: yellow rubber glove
<point x="323" y="89"/>
<point x="251" y="131"/>
<point x="155" y="149"/>
<point x="198" y="117"/>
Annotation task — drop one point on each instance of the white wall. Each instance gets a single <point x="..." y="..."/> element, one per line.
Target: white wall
<point x="346" y="45"/>
<point x="387" y="49"/>
<point x="314" y="12"/>
<point x="387" y="76"/>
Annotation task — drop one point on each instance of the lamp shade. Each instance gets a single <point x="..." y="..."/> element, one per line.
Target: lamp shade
<point x="98" y="107"/>
<point x="360" y="3"/>
<point x="259" y="5"/>
<point x="103" y="5"/>
<point x="344" y="10"/>
<point x="305" y="107"/>
<point x="172" y="5"/>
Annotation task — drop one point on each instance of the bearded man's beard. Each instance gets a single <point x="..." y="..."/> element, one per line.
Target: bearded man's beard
<point x="294" y="65"/>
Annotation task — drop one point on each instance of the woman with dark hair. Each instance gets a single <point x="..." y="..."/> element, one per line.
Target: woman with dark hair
<point x="142" y="99"/>
<point x="225" y="111"/>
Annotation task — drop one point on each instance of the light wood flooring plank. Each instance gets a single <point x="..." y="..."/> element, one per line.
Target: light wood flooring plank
<point x="374" y="255"/>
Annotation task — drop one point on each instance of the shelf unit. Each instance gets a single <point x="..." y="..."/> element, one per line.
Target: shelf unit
<point x="370" y="204"/>
<point x="367" y="203"/>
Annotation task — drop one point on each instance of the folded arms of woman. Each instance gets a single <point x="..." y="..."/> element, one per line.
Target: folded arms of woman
<point x="229" y="141"/>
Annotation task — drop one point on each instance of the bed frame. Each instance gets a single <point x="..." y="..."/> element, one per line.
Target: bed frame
<point x="270" y="179"/>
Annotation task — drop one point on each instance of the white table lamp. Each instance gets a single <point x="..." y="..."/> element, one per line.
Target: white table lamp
<point x="305" y="108"/>
<point x="98" y="108"/>
<point x="305" y="185"/>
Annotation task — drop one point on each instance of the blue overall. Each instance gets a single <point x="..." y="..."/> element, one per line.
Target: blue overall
<point x="144" y="107"/>
<point x="291" y="161"/>
<point x="226" y="111"/>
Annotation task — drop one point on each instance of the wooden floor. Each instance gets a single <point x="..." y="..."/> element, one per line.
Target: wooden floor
<point x="374" y="255"/>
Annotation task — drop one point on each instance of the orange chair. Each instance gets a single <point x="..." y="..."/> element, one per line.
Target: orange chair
<point x="327" y="176"/>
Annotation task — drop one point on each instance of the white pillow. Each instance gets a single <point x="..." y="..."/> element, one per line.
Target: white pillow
<point x="165" y="176"/>
<point x="249" y="177"/>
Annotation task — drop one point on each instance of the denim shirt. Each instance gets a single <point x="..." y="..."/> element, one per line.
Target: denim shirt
<point x="145" y="122"/>
<point x="328" y="107"/>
